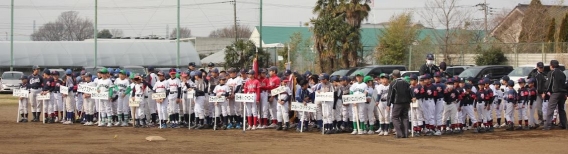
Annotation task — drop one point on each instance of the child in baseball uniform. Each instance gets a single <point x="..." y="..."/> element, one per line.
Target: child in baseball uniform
<point x="481" y="106"/>
<point x="252" y="86"/>
<point x="346" y="108"/>
<point x="337" y="105"/>
<point x="304" y="96"/>
<point x="187" y="110"/>
<point x="532" y="94"/>
<point x="382" y="95"/>
<point x="466" y="107"/>
<point x="429" y="104"/>
<point x="282" y="107"/>
<point x="173" y="88"/>
<point x="511" y="99"/>
<point x="523" y="95"/>
<point x="221" y="107"/>
<point x="200" y="90"/>
<point x="56" y="97"/>
<point x="122" y="86"/>
<point x="69" y="98"/>
<point x="89" y="104"/>
<point x="327" y="106"/>
<point x="235" y="84"/>
<point x="359" y="109"/>
<point x="139" y="92"/>
<point x="451" y="99"/>
<point x="23" y="101"/>
<point x="496" y="105"/>
<point x="160" y="86"/>
<point x="370" y="105"/>
<point x="439" y="103"/>
<point x="416" y="109"/>
<point x="48" y="104"/>
<point x="103" y="86"/>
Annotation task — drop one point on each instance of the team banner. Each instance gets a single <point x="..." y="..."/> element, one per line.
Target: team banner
<point x="43" y="97"/>
<point x="217" y="99"/>
<point x="103" y="95"/>
<point x="20" y="93"/>
<point x="354" y="99"/>
<point x="87" y="89"/>
<point x="245" y="98"/>
<point x="64" y="90"/>
<point x="159" y="95"/>
<point x="278" y="90"/>
<point x="309" y="107"/>
<point x="324" y="96"/>
<point x="134" y="103"/>
<point x="190" y="94"/>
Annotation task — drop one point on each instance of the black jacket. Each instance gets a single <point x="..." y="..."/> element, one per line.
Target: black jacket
<point x="429" y="70"/>
<point x="540" y="82"/>
<point x="399" y="92"/>
<point x="556" y="81"/>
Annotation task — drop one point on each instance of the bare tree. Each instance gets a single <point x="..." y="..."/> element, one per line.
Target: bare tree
<point x="446" y="14"/>
<point x="68" y="27"/>
<point x="117" y="32"/>
<point x="184" y="32"/>
<point x="229" y="32"/>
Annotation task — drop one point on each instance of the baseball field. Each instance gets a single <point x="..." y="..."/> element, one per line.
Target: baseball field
<point x="57" y="138"/>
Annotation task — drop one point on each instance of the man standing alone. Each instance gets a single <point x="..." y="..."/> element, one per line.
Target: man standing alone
<point x="399" y="96"/>
<point x="556" y="87"/>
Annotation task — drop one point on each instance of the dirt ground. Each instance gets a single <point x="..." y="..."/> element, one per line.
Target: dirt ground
<point x="58" y="138"/>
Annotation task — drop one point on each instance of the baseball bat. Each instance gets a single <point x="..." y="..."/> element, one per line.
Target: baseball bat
<point x="411" y="123"/>
<point x="215" y="116"/>
<point x="302" y="121"/>
<point x="64" y="104"/>
<point x="18" y="113"/>
<point x="244" y="117"/>
<point x="324" y="112"/>
<point x="43" y="114"/>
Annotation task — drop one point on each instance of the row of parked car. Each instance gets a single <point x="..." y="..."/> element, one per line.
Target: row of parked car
<point x="493" y="72"/>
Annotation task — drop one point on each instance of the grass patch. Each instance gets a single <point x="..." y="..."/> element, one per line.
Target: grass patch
<point x="8" y="99"/>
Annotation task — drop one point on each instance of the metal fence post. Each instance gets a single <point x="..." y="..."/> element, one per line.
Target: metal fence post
<point x="543" y="53"/>
<point x="410" y="58"/>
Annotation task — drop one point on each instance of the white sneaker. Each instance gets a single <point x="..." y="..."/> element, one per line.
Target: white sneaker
<point x="380" y="131"/>
<point x="437" y="133"/>
<point x="253" y="127"/>
<point x="56" y="119"/>
<point x="117" y="124"/>
<point x="249" y="127"/>
<point x="124" y="124"/>
<point x="354" y="132"/>
<point x="67" y="123"/>
<point x="88" y="123"/>
<point x="261" y="127"/>
<point x="109" y="124"/>
<point x="273" y="125"/>
<point x="385" y="133"/>
<point x="63" y="121"/>
<point x="101" y="124"/>
<point x="361" y="132"/>
<point x="370" y="132"/>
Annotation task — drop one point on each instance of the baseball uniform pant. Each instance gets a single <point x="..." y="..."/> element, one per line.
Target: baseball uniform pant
<point x="89" y="106"/>
<point x="439" y="112"/>
<point x="371" y="112"/>
<point x="113" y="107"/>
<point x="532" y="111"/>
<point x="522" y="111"/>
<point x="151" y="104"/>
<point x="337" y="116"/>
<point x="417" y="116"/>
<point x="539" y="107"/>
<point x="282" y="112"/>
<point x="23" y="105"/>
<point x="318" y="115"/>
<point x="360" y="110"/>
<point x="173" y="106"/>
<point x="481" y="112"/>
<point x="79" y="102"/>
<point x="199" y="108"/>
<point x="57" y="101"/>
<point x="122" y="104"/>
<point x="185" y="104"/>
<point x="234" y="107"/>
<point x="252" y="109"/>
<point x="429" y="107"/>
<point x="383" y="114"/>
<point x="497" y="108"/>
<point x="327" y="110"/>
<point x="97" y="105"/>
<point x="36" y="104"/>
<point x="347" y="112"/>
<point x="70" y="102"/>
<point x="163" y="109"/>
<point x="450" y="113"/>
<point x="106" y="108"/>
<point x="221" y="109"/>
<point x="48" y="105"/>
<point x="140" y="113"/>
<point x="509" y="112"/>
<point x="467" y="111"/>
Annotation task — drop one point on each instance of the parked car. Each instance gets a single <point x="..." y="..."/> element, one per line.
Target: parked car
<point x="408" y="73"/>
<point x="493" y="72"/>
<point x="92" y="70"/>
<point x="10" y="80"/>
<point x="135" y="69"/>
<point x="456" y="70"/>
<point x="345" y="71"/>
<point x="376" y="70"/>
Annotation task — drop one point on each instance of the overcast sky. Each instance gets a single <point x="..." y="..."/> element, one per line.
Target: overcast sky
<point x="146" y="17"/>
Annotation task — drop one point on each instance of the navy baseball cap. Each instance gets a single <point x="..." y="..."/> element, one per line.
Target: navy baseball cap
<point x="54" y="73"/>
<point x="24" y="77"/>
<point x="324" y="76"/>
<point x="511" y="83"/>
<point x="468" y="86"/>
<point x="191" y="64"/>
<point x="150" y="68"/>
<point x="531" y="80"/>
<point x="540" y="65"/>
<point x="307" y="73"/>
<point x="46" y="72"/>
<point x="496" y="83"/>
<point x="521" y="80"/>
<point x="344" y="78"/>
<point x="334" y="78"/>
<point x="430" y="56"/>
<point x="68" y="72"/>
<point x="232" y="70"/>
<point x="87" y="74"/>
<point x="273" y="68"/>
<point x="250" y="72"/>
<point x="486" y="81"/>
<point x="457" y="79"/>
<point x="505" y="78"/>
<point x="481" y="82"/>
<point x="450" y="81"/>
<point x="470" y="79"/>
<point x="443" y="65"/>
<point x="35" y="67"/>
<point x="215" y="70"/>
<point x="426" y="76"/>
<point x="437" y="74"/>
<point x="413" y="77"/>
<point x="288" y="72"/>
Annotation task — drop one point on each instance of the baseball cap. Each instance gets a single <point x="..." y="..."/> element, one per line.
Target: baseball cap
<point x="191" y="64"/>
<point x="46" y="72"/>
<point x="250" y="72"/>
<point x="430" y="56"/>
<point x="35" y="67"/>
<point x="285" y="80"/>
<point x="413" y="77"/>
<point x="273" y="68"/>
<point x="24" y="77"/>
<point x="359" y="74"/>
<point x="367" y="78"/>
<point x="222" y="77"/>
<point x="486" y="81"/>
<point x="215" y="70"/>
<point x="54" y="73"/>
<point x="262" y="70"/>
<point x="457" y="79"/>
<point x="531" y="80"/>
<point x="324" y="76"/>
<point x="481" y="82"/>
<point x="450" y="81"/>
<point x="150" y="68"/>
<point x="103" y="70"/>
<point x="468" y="86"/>
<point x="521" y="80"/>
<point x="183" y="74"/>
<point x="211" y="65"/>
<point x="68" y="72"/>
<point x="307" y="73"/>
<point x="288" y="72"/>
<point x="443" y="65"/>
<point x="160" y="73"/>
<point x="496" y="83"/>
<point x="122" y="72"/>
<point x="505" y="78"/>
<point x="232" y="70"/>
<point x="383" y="75"/>
<point x="437" y="74"/>
<point x="110" y="70"/>
<point x="470" y="79"/>
<point x="540" y="65"/>
<point x="344" y="78"/>
<point x="88" y="74"/>
<point x="425" y="76"/>
<point x="510" y="83"/>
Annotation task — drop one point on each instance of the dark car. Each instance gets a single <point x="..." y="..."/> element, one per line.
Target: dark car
<point x="493" y="72"/>
<point x="456" y="70"/>
<point x="376" y="70"/>
<point x="345" y="71"/>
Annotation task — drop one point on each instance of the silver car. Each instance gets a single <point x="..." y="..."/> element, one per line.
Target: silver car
<point x="10" y="80"/>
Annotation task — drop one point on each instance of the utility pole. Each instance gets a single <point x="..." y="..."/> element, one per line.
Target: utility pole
<point x="235" y="16"/>
<point x="12" y="38"/>
<point x="177" y="34"/>
<point x="485" y="10"/>
<point x="96" y="31"/>
<point x="167" y="32"/>
<point x="260" y="28"/>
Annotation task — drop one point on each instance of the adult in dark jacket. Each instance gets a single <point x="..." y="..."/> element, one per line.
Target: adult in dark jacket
<point x="557" y="89"/>
<point x="429" y="67"/>
<point x="540" y="78"/>
<point x="399" y="95"/>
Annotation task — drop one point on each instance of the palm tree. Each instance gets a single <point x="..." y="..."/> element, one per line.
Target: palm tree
<point x="355" y="12"/>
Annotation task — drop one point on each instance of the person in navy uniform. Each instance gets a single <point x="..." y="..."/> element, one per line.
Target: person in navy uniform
<point x="510" y="98"/>
<point x="35" y="83"/>
<point x="47" y="88"/>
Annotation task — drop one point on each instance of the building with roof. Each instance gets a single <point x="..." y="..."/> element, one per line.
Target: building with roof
<point x="73" y="54"/>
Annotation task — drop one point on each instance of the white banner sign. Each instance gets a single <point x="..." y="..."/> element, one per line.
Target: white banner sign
<point x="354" y="99"/>
<point x="324" y="96"/>
<point x="21" y="93"/>
<point x="103" y="95"/>
<point x="64" y="90"/>
<point x="216" y="99"/>
<point x="190" y="94"/>
<point x="245" y="98"/>
<point x="159" y="95"/>
<point x="43" y="97"/>
<point x="134" y="103"/>
<point x="309" y="107"/>
<point x="87" y="89"/>
<point x="278" y="90"/>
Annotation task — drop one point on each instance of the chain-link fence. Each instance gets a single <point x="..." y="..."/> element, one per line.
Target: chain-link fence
<point x="517" y="54"/>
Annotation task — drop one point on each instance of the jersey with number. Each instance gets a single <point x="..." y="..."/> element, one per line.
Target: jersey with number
<point x="382" y="92"/>
<point x="104" y="85"/>
<point x="121" y="84"/>
<point x="358" y="88"/>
